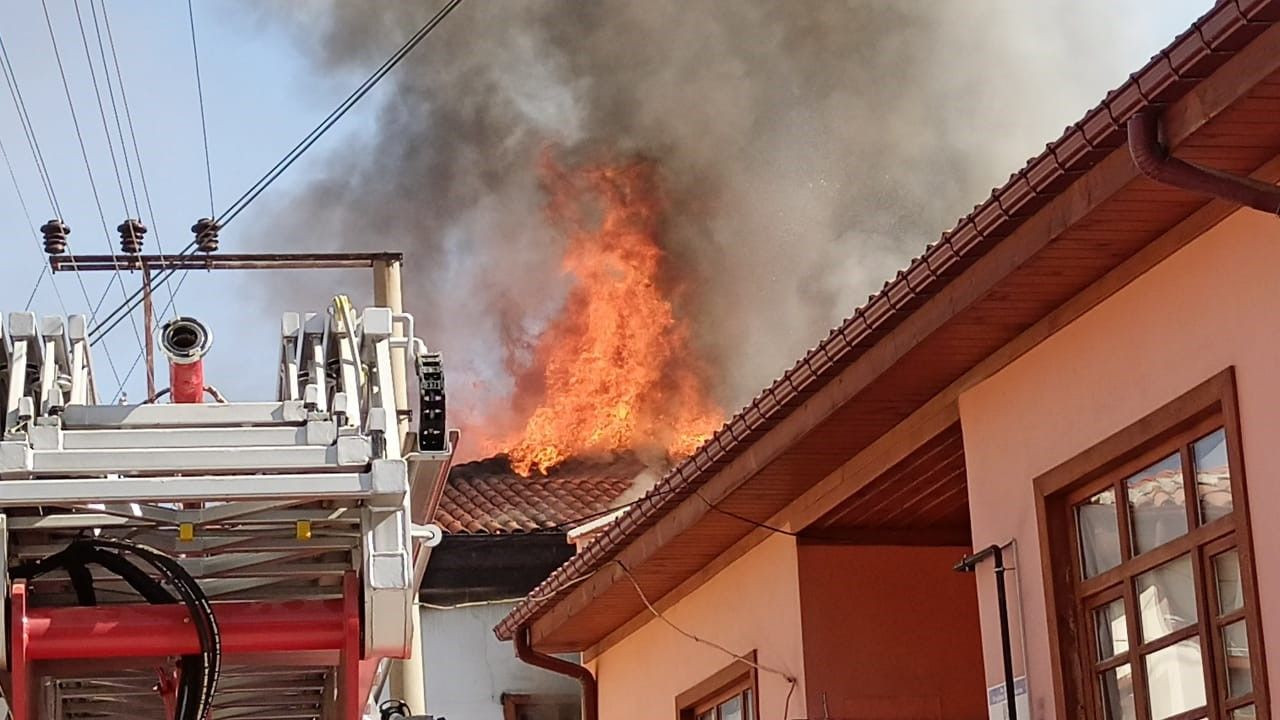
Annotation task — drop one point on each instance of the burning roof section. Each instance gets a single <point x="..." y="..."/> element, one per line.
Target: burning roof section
<point x="488" y="497"/>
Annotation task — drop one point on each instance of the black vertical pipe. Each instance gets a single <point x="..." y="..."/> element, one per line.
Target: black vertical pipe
<point x="967" y="564"/>
<point x="1006" y="647"/>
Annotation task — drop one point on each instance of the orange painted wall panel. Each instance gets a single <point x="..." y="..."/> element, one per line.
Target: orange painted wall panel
<point x="890" y="633"/>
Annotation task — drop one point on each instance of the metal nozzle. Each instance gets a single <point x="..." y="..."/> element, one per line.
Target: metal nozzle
<point x="185" y="340"/>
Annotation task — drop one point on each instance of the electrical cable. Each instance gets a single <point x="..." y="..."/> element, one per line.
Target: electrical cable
<point x="28" y="129"/>
<point x="737" y="656"/>
<point x="133" y="137"/>
<point x="102" y="110"/>
<point x="37" y="156"/>
<point x="66" y="86"/>
<point x="199" y="673"/>
<point x="202" y="612"/>
<point x="204" y="128"/>
<point x="142" y="175"/>
<point x="745" y="519"/>
<point x="278" y="169"/>
<point x="105" y="326"/>
<point x="132" y="301"/>
<point x="26" y="213"/>
<point x="115" y="109"/>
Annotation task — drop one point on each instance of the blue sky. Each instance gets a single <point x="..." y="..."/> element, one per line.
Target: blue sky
<point x="262" y="93"/>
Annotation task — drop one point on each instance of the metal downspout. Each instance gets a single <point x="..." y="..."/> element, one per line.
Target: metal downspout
<point x="1155" y="162"/>
<point x="968" y="564"/>
<point x="590" y="694"/>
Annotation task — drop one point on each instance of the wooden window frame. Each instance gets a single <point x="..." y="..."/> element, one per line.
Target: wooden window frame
<point x="1072" y="641"/>
<point x="734" y="678"/>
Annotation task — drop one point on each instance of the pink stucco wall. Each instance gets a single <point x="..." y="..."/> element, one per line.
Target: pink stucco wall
<point x="753" y="604"/>
<point x="1213" y="304"/>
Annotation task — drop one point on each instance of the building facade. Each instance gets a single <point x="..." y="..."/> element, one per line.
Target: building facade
<point x="504" y="534"/>
<point x="1031" y="476"/>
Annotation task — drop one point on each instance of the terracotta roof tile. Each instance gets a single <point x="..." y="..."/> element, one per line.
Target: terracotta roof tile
<point x="487" y="497"/>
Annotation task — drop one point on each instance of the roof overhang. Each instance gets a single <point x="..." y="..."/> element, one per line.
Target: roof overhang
<point x="1075" y="225"/>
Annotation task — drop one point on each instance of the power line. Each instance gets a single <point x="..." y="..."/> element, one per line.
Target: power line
<point x="133" y="300"/>
<point x="105" y="326"/>
<point x="66" y="86"/>
<point x="28" y="129"/>
<point x="165" y="313"/>
<point x="204" y="128"/>
<point x="37" y="157"/>
<point x="133" y="137"/>
<point x="115" y="110"/>
<point x="102" y="110"/>
<point x="26" y="213"/>
<point x="363" y="89"/>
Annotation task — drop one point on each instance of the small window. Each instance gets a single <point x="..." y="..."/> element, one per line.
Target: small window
<point x="728" y="695"/>
<point x="737" y="705"/>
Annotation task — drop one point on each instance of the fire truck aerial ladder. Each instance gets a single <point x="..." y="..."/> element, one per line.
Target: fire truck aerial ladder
<point x="196" y="557"/>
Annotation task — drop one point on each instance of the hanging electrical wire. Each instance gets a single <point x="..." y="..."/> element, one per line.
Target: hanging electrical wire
<point x="363" y="89"/>
<point x="204" y="127"/>
<point x="102" y="109"/>
<point x="20" y="105"/>
<point x="84" y="153"/>
<point x="208" y="165"/>
<point x="133" y="136"/>
<point x="42" y="169"/>
<point x="220" y="221"/>
<point x="747" y="659"/>
<point x="204" y="135"/>
<point x="26" y="214"/>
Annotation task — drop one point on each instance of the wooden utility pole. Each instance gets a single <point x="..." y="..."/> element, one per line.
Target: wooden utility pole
<point x="148" y="329"/>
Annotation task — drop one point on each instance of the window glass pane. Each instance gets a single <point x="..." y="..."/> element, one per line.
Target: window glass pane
<point x="1099" y="531"/>
<point x="1226" y="571"/>
<point x="731" y="709"/>
<point x="748" y="707"/>
<point x="1213" y="476"/>
<point x="1235" y="641"/>
<point x="1157" y="504"/>
<point x="1113" y="636"/>
<point x="1175" y="678"/>
<point x="1166" y="598"/>
<point x="1248" y="712"/>
<point x="1117" y="694"/>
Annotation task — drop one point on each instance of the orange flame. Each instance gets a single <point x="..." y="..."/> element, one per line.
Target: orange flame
<point x="619" y="372"/>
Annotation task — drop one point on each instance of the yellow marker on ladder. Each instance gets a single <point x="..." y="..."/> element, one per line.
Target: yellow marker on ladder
<point x="186" y="532"/>
<point x="304" y="530"/>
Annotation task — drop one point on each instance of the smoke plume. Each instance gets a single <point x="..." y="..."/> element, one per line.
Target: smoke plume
<point x="806" y="150"/>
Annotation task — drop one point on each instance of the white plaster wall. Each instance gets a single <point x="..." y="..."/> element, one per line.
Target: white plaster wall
<point x="467" y="670"/>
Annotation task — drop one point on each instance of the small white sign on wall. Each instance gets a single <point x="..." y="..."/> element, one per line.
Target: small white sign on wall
<point x="997" y="705"/>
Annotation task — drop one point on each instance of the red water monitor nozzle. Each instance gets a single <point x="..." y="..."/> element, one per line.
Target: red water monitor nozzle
<point x="185" y="341"/>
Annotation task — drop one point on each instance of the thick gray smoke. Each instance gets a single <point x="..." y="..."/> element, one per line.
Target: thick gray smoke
<point x="808" y="149"/>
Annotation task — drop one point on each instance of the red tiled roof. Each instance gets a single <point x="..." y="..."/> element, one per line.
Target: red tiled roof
<point x="1192" y="56"/>
<point x="486" y="497"/>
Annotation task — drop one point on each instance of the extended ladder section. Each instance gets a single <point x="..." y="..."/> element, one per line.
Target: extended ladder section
<point x="298" y="518"/>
